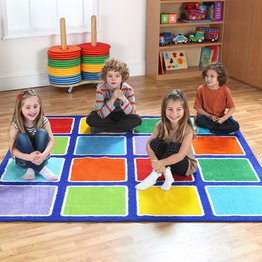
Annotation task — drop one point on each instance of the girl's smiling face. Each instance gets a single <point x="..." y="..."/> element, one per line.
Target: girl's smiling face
<point x="211" y="79"/>
<point x="30" y="109"/>
<point x="174" y="111"/>
<point x="114" y="80"/>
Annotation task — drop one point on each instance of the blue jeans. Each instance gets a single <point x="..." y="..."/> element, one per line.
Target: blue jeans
<point x="27" y="145"/>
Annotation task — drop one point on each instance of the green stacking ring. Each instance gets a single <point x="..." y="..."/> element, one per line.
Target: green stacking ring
<point x="63" y="63"/>
<point x="94" y="59"/>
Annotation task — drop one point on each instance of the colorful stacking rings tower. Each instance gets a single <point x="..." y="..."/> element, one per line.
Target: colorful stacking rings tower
<point x="64" y="61"/>
<point x="93" y="55"/>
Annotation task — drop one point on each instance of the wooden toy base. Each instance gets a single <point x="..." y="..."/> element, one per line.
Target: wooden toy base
<point x="70" y="87"/>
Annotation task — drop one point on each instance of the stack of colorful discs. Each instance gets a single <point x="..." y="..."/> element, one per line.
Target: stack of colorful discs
<point x="93" y="59"/>
<point x="64" y="65"/>
<point x="64" y="61"/>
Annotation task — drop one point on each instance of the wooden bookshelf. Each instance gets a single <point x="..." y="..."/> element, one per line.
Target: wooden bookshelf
<point x="192" y="50"/>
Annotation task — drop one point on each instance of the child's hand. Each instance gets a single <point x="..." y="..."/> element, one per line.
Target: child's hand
<point x="220" y="120"/>
<point x="157" y="166"/>
<point x="121" y="96"/>
<point x="214" y="118"/>
<point x="115" y="94"/>
<point x="40" y="159"/>
<point x="33" y="156"/>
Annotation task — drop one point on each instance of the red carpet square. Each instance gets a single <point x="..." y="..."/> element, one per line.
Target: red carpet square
<point x="98" y="169"/>
<point x="217" y="145"/>
<point x="144" y="168"/>
<point x="61" y="125"/>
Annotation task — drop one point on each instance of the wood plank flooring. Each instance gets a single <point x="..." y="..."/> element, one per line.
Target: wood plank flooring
<point x="134" y="242"/>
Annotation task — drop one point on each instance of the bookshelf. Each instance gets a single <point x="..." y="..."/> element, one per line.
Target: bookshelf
<point x="191" y="49"/>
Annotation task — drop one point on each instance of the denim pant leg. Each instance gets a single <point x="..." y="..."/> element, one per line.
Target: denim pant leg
<point x="27" y="146"/>
<point x="24" y="145"/>
<point x="41" y="140"/>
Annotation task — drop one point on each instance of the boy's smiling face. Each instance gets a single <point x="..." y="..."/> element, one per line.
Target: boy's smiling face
<point x="114" y="80"/>
<point x="211" y="79"/>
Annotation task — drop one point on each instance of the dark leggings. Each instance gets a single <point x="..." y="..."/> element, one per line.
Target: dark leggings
<point x="27" y="145"/>
<point x="116" y="121"/>
<point x="229" y="126"/>
<point x="163" y="150"/>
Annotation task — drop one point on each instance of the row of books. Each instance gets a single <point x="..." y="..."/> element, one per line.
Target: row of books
<point x="175" y="60"/>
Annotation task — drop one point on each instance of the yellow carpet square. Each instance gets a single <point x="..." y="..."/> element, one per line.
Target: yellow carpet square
<point x="178" y="201"/>
<point x="84" y="128"/>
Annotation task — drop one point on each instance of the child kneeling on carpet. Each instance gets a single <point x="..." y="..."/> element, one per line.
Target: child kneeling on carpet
<point x="30" y="137"/>
<point x="214" y="103"/>
<point x="115" y="101"/>
<point x="170" y="145"/>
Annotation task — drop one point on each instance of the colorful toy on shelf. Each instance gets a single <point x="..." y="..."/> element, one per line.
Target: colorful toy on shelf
<point x="167" y="18"/>
<point x="198" y="36"/>
<point x="210" y="33"/>
<point x="179" y="39"/>
<point x="192" y="6"/>
<point x="194" y="11"/>
<point x="165" y="39"/>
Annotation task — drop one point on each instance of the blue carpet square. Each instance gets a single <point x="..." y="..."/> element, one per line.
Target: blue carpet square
<point x="235" y="200"/>
<point x="100" y="145"/>
<point x="15" y="173"/>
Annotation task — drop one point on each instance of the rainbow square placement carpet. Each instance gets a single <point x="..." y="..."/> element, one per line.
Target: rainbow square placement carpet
<point x="98" y="173"/>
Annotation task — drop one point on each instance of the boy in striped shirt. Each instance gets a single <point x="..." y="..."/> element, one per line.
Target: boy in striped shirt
<point x="115" y="109"/>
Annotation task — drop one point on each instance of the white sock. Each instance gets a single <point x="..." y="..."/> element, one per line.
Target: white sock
<point x="168" y="179"/>
<point x="148" y="181"/>
<point x="29" y="174"/>
<point x="48" y="174"/>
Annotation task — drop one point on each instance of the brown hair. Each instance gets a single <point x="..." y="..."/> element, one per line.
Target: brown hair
<point x="165" y="125"/>
<point x="18" y="116"/>
<point x="113" y="64"/>
<point x="222" y="76"/>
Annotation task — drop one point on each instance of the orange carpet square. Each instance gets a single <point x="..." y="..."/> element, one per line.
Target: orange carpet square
<point x="98" y="169"/>
<point x="217" y="145"/>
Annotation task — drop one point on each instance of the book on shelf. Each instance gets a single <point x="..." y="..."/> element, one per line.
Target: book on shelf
<point x="209" y="55"/>
<point x="215" y="11"/>
<point x="216" y="53"/>
<point x="161" y="64"/>
<point x="175" y="60"/>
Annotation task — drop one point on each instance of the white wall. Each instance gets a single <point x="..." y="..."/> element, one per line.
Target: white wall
<point x="23" y="62"/>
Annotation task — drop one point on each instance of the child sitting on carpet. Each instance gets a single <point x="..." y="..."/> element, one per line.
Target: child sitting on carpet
<point x="30" y="136"/>
<point x="115" y="101"/>
<point x="214" y="103"/>
<point x="170" y="145"/>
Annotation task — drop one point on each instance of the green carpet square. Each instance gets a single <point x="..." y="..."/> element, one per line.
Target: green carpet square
<point x="227" y="169"/>
<point x="61" y="145"/>
<point x="147" y="126"/>
<point x="95" y="201"/>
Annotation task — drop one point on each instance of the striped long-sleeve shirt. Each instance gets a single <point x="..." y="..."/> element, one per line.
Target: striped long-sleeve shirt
<point x="104" y="106"/>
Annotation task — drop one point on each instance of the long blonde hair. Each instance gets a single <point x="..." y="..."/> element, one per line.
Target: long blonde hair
<point x="18" y="116"/>
<point x="165" y="124"/>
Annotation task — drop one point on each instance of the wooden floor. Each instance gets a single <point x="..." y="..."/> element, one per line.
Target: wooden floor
<point x="134" y="242"/>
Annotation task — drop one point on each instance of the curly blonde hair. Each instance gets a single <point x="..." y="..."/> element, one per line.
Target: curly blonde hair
<point x="113" y="64"/>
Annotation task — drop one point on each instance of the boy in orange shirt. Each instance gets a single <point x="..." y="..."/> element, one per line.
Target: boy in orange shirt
<point x="214" y="103"/>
